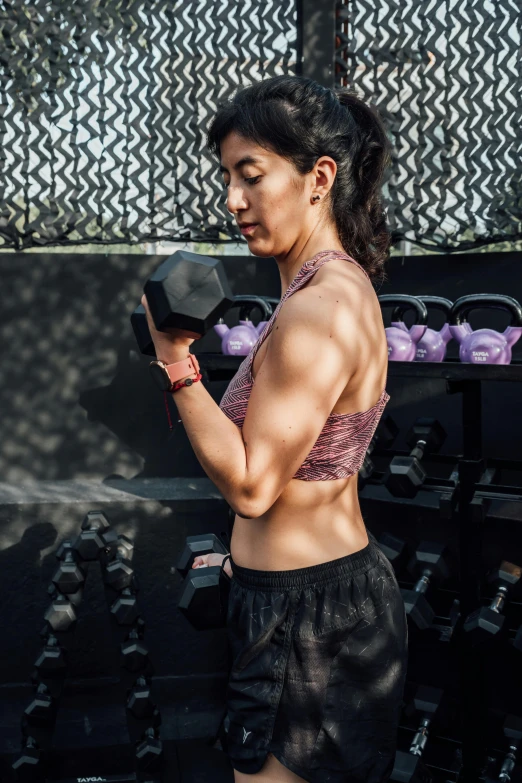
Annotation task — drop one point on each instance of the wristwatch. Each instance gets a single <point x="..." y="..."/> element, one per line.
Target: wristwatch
<point x="166" y="375"/>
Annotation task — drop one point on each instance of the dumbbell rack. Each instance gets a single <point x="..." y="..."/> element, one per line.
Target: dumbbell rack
<point x="465" y="379"/>
<point x="142" y="716"/>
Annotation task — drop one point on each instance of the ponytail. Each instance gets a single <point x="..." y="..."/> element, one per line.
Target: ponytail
<point x="356" y="199"/>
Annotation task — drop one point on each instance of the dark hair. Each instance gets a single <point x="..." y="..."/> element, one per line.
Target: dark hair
<point x="301" y="120"/>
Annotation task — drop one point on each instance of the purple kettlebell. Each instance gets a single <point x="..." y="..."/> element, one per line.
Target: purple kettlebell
<point x="239" y="340"/>
<point x="485" y="346"/>
<point x="402" y="342"/>
<point x="433" y="344"/>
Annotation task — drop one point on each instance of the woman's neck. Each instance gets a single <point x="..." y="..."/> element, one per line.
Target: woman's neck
<point x="290" y="264"/>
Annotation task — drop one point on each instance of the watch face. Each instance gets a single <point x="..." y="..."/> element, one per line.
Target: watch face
<point x="160" y="376"/>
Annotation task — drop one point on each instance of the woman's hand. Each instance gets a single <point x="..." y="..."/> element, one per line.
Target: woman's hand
<point x="212" y="559"/>
<point x="172" y="345"/>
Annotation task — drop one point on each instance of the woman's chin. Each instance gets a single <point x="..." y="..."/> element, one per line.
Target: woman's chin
<point x="258" y="248"/>
<point x="260" y="252"/>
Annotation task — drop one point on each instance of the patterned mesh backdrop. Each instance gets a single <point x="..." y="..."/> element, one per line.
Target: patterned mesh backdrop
<point x="446" y="76"/>
<point x="104" y="106"/>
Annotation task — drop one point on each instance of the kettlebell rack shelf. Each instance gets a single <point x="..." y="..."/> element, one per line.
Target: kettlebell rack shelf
<point x="220" y="367"/>
<point x="469" y="515"/>
<point x="456" y="371"/>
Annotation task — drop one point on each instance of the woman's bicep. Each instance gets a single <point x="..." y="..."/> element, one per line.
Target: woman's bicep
<point x="305" y="369"/>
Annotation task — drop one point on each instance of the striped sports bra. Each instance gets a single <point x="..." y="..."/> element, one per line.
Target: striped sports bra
<point x="340" y="448"/>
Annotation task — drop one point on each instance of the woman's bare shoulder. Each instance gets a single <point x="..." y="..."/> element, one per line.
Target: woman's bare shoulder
<point x="341" y="282"/>
<point x="350" y="305"/>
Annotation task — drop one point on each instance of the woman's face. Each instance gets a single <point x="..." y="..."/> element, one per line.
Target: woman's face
<point x="266" y="190"/>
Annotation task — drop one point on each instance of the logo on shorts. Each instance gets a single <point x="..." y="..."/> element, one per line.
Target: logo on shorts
<point x="245" y="734"/>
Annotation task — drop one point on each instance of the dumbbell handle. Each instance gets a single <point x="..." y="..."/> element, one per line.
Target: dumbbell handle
<point x="499" y="600"/>
<point x="424" y="582"/>
<point x="421" y="737"/>
<point x="418" y="449"/>
<point x="508" y="764"/>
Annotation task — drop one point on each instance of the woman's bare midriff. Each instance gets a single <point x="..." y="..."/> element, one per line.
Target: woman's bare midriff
<point x="313" y="522"/>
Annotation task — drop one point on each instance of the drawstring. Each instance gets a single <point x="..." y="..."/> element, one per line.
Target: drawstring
<point x="167" y="409"/>
<point x="168" y="412"/>
<point x="223" y="565"/>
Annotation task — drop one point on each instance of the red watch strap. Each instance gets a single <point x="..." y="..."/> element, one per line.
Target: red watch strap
<point x="185" y="382"/>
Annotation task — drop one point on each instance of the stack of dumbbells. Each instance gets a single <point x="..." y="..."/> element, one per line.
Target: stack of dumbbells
<point x="96" y="545"/>
<point x="430" y="581"/>
<point x="202" y="600"/>
<point x="128" y="627"/>
<point x="204" y="594"/>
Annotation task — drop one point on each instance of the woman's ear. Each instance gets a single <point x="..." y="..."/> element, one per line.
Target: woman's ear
<point x="325" y="170"/>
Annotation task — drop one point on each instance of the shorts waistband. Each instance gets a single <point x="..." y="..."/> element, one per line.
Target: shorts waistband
<point x="296" y="578"/>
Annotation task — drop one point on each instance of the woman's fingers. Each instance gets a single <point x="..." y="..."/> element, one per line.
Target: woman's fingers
<point x="208" y="560"/>
<point x="200" y="561"/>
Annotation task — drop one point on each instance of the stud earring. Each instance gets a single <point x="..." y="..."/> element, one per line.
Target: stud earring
<point x="315" y="198"/>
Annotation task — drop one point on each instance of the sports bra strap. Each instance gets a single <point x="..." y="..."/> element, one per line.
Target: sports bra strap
<point x="327" y="255"/>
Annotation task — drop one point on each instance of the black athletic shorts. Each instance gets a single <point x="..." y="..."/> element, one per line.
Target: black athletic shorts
<point x="318" y="663"/>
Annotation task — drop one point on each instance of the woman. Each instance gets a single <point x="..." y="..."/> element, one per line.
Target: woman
<point x="316" y="621"/>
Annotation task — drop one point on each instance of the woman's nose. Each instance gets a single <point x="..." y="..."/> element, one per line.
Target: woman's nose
<point x="236" y="199"/>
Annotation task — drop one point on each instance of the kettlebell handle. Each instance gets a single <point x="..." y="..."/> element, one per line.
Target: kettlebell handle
<point x="432" y="303"/>
<point x="272" y="301"/>
<point x="462" y="307"/>
<point x="248" y="302"/>
<point x="404" y="302"/>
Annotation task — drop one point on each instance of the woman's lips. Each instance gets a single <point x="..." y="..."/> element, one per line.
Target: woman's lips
<point x="249" y="229"/>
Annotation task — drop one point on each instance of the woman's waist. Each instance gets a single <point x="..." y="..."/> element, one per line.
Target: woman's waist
<point x="289" y="543"/>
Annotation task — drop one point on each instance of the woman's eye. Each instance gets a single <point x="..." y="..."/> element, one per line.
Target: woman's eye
<point x="249" y="180"/>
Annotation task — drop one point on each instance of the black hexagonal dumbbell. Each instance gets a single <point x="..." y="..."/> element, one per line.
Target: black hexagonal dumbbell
<point x="116" y="543"/>
<point x="90" y="543"/>
<point x="61" y="614"/>
<point x="408" y="767"/>
<point x="204" y="597"/>
<point x="40" y="710"/>
<point x="406" y="475"/>
<point x="135" y="655"/>
<point x="51" y="661"/>
<point x="187" y="291"/>
<point x="149" y="752"/>
<point x="202" y="544"/>
<point x="125" y="608"/>
<point x="139" y="701"/>
<point x="430" y="565"/>
<point x="68" y="577"/>
<point x="119" y="572"/>
<point x="486" y="623"/>
<point x="74" y="598"/>
<point x="27" y="766"/>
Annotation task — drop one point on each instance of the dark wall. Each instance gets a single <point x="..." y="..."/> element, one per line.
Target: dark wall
<point x="78" y="405"/>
